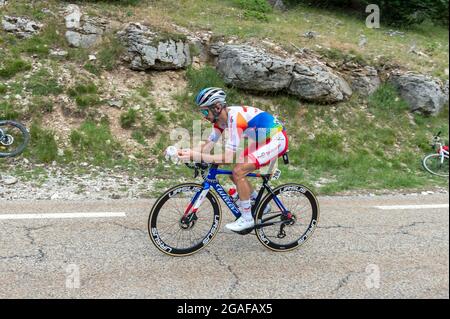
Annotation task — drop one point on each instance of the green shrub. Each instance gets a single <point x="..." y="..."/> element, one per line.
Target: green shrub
<point x="83" y="88"/>
<point x="386" y="102"/>
<point x="108" y="57"/>
<point x="128" y="119"/>
<point x="7" y="112"/>
<point x="261" y="6"/>
<point x="118" y="2"/>
<point x="12" y="67"/>
<point x="90" y="67"/>
<point x="160" y="118"/>
<point x="43" y="146"/>
<point x="254" y="9"/>
<point x="94" y="141"/>
<point x="85" y="101"/>
<point x="256" y="15"/>
<point x="3" y="88"/>
<point x="202" y="78"/>
<point x="395" y="12"/>
<point x="85" y="95"/>
<point x="40" y="106"/>
<point x="138" y="136"/>
<point x="43" y="84"/>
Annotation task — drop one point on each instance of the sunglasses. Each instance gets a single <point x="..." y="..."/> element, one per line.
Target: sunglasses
<point x="205" y="112"/>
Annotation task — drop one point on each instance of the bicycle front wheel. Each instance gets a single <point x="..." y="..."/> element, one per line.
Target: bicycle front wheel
<point x="14" y="137"/>
<point x="175" y="229"/>
<point x="282" y="232"/>
<point x="435" y="164"/>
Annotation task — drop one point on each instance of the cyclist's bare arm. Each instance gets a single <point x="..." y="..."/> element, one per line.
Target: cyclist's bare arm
<point x="223" y="158"/>
<point x="204" y="147"/>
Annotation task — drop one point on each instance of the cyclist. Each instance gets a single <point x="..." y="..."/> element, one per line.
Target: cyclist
<point x="269" y="142"/>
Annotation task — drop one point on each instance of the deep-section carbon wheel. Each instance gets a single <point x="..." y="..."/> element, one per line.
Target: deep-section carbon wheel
<point x="177" y="234"/>
<point x="281" y="232"/>
<point x="14" y="137"/>
<point x="435" y="164"/>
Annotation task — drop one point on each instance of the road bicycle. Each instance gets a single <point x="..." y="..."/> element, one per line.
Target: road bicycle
<point x="187" y="217"/>
<point x="14" y="137"/>
<point x="437" y="163"/>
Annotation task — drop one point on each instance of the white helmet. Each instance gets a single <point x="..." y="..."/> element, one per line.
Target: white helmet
<point x="209" y="96"/>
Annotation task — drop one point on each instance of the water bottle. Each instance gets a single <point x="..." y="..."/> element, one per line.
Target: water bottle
<point x="233" y="194"/>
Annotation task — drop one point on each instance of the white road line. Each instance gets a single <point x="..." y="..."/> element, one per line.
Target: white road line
<point x="395" y="207"/>
<point x="63" y="215"/>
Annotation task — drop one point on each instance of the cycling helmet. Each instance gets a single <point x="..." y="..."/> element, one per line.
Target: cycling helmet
<point x="209" y="96"/>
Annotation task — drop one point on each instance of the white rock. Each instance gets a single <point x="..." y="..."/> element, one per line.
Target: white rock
<point x="9" y="180"/>
<point x="54" y="196"/>
<point x="73" y="17"/>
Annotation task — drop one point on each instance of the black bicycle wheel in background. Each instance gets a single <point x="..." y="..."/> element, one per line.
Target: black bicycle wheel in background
<point x="433" y="163"/>
<point x="14" y="137"/>
<point x="177" y="236"/>
<point x="281" y="233"/>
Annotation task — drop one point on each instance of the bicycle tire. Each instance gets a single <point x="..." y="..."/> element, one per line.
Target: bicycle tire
<point x="428" y="161"/>
<point x="159" y="208"/>
<point x="310" y="199"/>
<point x="25" y="134"/>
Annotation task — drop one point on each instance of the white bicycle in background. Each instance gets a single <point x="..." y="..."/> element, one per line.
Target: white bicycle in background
<point x="437" y="163"/>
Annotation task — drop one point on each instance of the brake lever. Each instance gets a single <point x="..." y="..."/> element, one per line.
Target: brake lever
<point x="196" y="172"/>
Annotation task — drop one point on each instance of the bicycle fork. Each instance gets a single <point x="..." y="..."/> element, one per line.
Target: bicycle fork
<point x="190" y="214"/>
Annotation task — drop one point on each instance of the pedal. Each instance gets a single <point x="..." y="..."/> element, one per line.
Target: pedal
<point x="276" y="175"/>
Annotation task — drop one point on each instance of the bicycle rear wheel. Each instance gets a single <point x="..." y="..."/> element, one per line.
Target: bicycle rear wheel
<point x="282" y="232"/>
<point x="14" y="137"/>
<point x="177" y="234"/>
<point x="433" y="163"/>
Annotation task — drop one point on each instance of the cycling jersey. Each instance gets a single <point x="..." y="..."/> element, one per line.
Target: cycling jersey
<point x="248" y="122"/>
<point x="262" y="127"/>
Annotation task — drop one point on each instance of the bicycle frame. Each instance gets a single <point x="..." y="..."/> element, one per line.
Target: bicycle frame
<point x="212" y="182"/>
<point x="443" y="153"/>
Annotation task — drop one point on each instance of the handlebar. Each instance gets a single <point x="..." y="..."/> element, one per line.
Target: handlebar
<point x="436" y="140"/>
<point x="199" y="167"/>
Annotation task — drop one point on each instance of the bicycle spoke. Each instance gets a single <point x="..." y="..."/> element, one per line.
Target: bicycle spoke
<point x="180" y="232"/>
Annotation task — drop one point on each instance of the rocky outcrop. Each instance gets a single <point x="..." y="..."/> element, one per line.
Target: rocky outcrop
<point x="318" y="84"/>
<point x="22" y="27"/>
<point x="252" y="69"/>
<point x="446" y="91"/>
<point x="424" y="94"/>
<point x="147" y="49"/>
<point x="363" y="80"/>
<point x="83" y="31"/>
<point x="249" y="68"/>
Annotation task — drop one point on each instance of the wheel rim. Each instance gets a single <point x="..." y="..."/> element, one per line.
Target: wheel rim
<point x="13" y="139"/>
<point x="174" y="233"/>
<point x="433" y="164"/>
<point x="288" y="232"/>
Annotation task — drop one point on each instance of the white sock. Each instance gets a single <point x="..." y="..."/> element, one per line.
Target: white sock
<point x="253" y="197"/>
<point x="246" y="209"/>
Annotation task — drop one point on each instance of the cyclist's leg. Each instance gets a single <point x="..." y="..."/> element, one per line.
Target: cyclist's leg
<point x="243" y="158"/>
<point x="246" y="221"/>
<point x="274" y="147"/>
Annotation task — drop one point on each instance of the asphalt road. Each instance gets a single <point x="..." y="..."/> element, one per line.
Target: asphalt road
<point x="358" y="251"/>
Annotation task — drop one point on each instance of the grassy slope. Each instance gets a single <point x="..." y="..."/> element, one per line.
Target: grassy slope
<point x="359" y="144"/>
